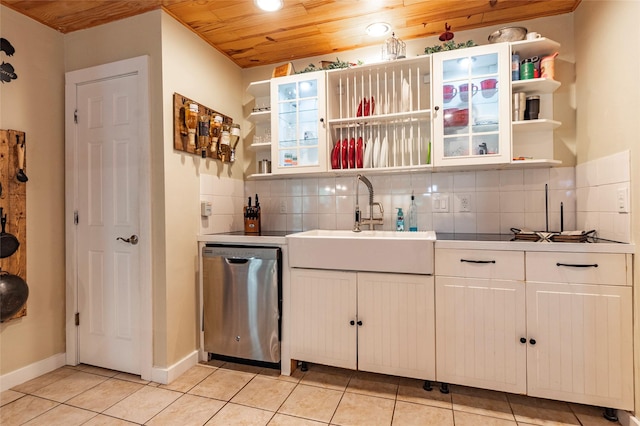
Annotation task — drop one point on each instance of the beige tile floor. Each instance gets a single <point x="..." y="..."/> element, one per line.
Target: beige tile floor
<point x="230" y="394"/>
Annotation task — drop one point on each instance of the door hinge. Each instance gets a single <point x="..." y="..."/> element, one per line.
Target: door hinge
<point x="77" y="319"/>
<point x="75" y="217"/>
<point x="75" y="116"/>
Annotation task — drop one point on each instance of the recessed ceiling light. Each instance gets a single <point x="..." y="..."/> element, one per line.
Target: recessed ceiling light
<point x="378" y="29"/>
<point x="269" y="5"/>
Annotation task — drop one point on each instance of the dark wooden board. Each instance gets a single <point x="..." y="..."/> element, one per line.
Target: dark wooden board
<point x="13" y="200"/>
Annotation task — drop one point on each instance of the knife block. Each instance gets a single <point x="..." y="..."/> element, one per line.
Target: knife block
<point x="252" y="221"/>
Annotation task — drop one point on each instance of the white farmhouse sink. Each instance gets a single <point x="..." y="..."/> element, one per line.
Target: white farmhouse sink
<point x="378" y="251"/>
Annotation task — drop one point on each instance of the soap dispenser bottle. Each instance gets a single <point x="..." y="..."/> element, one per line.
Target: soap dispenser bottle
<point x="413" y="215"/>
<point x="400" y="220"/>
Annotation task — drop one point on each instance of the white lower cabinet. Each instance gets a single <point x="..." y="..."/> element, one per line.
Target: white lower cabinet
<point x="582" y="328"/>
<point x="480" y="319"/>
<point x="375" y="322"/>
<point x="565" y="340"/>
<point x="479" y="324"/>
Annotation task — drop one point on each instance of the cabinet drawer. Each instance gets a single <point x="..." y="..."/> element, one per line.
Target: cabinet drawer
<point x="579" y="268"/>
<point x="493" y="264"/>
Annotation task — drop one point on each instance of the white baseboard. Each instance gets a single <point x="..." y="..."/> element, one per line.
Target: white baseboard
<point x="31" y="371"/>
<point x="167" y="375"/>
<point x="626" y="419"/>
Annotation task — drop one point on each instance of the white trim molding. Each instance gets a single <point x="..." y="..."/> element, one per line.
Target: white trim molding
<point x="167" y="375"/>
<point x="31" y="371"/>
<point x="627" y="419"/>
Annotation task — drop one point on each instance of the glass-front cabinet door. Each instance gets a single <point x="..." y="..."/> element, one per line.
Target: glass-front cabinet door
<point x="298" y="123"/>
<point x="471" y="97"/>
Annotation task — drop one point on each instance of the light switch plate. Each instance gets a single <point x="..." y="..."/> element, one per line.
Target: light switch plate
<point x="440" y="203"/>
<point x="623" y="200"/>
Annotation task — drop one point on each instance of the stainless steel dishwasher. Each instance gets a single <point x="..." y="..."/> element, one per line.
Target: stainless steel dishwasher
<point x="242" y="302"/>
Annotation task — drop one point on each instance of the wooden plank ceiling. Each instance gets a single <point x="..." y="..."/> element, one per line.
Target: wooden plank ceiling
<point x="302" y="28"/>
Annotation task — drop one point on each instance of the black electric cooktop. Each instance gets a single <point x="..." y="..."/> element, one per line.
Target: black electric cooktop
<point x="473" y="237"/>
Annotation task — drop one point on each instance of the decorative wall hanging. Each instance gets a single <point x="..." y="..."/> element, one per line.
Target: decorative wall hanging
<point x="202" y="131"/>
<point x="7" y="72"/>
<point x="13" y="219"/>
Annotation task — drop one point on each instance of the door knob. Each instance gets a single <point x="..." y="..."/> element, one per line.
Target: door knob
<point x="133" y="240"/>
<point x="523" y="340"/>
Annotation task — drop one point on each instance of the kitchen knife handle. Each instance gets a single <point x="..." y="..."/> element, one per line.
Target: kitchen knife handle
<point x="477" y="261"/>
<point x="576" y="265"/>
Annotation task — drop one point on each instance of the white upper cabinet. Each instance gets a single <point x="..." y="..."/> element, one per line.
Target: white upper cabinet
<point x="298" y="124"/>
<point x="380" y="115"/>
<point x="471" y="98"/>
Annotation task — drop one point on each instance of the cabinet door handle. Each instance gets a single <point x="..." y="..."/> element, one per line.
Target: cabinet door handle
<point x="359" y="322"/>
<point x="532" y="341"/>
<point x="577" y="265"/>
<point x="437" y="108"/>
<point x="523" y="340"/>
<point x="352" y="322"/>
<point x="477" y="261"/>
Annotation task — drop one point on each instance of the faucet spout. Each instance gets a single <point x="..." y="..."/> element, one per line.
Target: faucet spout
<point x="359" y="220"/>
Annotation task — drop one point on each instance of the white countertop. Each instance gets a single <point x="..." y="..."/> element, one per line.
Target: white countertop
<point x="537" y="246"/>
<point x="279" y="238"/>
<point x="244" y="239"/>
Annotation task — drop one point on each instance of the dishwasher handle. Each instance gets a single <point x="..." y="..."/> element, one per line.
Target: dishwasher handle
<point x="237" y="260"/>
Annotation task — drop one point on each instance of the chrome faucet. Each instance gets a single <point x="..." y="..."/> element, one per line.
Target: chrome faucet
<point x="371" y="220"/>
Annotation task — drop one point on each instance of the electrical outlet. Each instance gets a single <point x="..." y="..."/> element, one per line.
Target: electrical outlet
<point x="283" y="206"/>
<point x="464" y="202"/>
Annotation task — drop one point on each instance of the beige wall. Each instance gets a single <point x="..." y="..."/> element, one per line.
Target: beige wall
<point x="608" y="103"/>
<point x="34" y="103"/>
<point x="194" y="69"/>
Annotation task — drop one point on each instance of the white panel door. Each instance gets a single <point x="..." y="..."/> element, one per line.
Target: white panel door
<point x="583" y="343"/>
<point x="479" y="327"/>
<point x="108" y="290"/>
<point x="323" y="315"/>
<point x="396" y="325"/>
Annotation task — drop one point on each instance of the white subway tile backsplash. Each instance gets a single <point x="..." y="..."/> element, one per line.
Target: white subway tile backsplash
<point x="535" y="221"/>
<point x="562" y="178"/>
<point x="534" y="201"/>
<point x="294" y="205"/>
<point x="613" y="168"/>
<point x="607" y="198"/>
<point x="535" y="179"/>
<point x="327" y="186"/>
<point x="309" y="204"/>
<point x="421" y="183"/>
<point x="510" y="220"/>
<point x="443" y="222"/>
<point x="464" y="222"/>
<point x="464" y="182"/>
<point x="294" y="223"/>
<point x="512" y="202"/>
<point x="294" y="187"/>
<point x="488" y="223"/>
<point x="346" y="204"/>
<point x="487" y="180"/>
<point x="488" y="202"/>
<point x="400" y="184"/>
<point x="327" y="204"/>
<point x="511" y="180"/>
<point x="442" y="182"/>
<point x="500" y="199"/>
<point x="327" y="221"/>
<point x="310" y="221"/>
<point x="565" y="196"/>
<point x="310" y="187"/>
